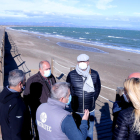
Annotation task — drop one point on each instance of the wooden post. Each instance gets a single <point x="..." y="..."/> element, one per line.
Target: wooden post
<point x="52" y="64"/>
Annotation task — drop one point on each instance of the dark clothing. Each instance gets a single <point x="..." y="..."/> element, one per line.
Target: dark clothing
<point x="38" y="89"/>
<point x="36" y="92"/>
<point x="82" y="100"/>
<point x="121" y="105"/>
<point x="14" y="116"/>
<point x="123" y="127"/>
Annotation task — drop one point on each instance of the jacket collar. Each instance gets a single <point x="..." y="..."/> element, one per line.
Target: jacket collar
<point x="56" y="102"/>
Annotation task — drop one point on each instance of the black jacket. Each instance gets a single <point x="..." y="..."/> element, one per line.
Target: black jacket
<point x="37" y="91"/>
<point x="14" y="116"/>
<point x="123" y="127"/>
<point x="83" y="100"/>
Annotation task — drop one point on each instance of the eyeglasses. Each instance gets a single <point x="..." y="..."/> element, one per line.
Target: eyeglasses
<point x="135" y="79"/>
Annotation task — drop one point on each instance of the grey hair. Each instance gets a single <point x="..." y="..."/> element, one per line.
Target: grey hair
<point x="59" y="90"/>
<point x="16" y="76"/>
<point x="41" y="63"/>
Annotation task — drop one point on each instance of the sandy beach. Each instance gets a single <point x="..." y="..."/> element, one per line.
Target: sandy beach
<point x="113" y="66"/>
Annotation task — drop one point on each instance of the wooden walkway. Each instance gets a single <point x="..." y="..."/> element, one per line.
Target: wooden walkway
<point x="102" y="126"/>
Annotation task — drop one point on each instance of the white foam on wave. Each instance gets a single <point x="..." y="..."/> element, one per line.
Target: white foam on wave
<point x="54" y="32"/>
<point x="135" y="39"/>
<point x="81" y="38"/>
<point x="114" y="37"/>
<point x="47" y="33"/>
<point x="86" y="32"/>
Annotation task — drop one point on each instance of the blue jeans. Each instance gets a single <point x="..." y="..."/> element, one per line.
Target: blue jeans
<point x="91" y="124"/>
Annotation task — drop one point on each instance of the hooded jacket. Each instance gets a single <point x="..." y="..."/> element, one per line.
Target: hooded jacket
<point x="14" y="116"/>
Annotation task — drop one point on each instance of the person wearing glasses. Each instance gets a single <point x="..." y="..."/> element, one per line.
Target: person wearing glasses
<point x="127" y="126"/>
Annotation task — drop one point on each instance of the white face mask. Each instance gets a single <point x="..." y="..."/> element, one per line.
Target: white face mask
<point x="47" y="73"/>
<point x="125" y="98"/>
<point x="83" y="65"/>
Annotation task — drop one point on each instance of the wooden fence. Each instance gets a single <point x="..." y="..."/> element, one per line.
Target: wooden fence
<point x="2" y="44"/>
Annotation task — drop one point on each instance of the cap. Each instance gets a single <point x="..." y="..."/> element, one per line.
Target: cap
<point x="82" y="57"/>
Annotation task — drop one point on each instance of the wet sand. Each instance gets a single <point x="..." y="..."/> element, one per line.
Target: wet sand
<point x="113" y="66"/>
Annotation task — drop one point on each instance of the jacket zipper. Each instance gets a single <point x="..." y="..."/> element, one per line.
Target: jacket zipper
<point x="83" y="94"/>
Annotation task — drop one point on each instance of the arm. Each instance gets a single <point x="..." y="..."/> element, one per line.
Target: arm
<point x="68" y="80"/>
<point x="72" y="132"/>
<point x="121" y="129"/>
<point x="97" y="87"/>
<point x="26" y="94"/>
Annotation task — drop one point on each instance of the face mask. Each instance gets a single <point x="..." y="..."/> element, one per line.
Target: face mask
<point x="47" y="73"/>
<point x="83" y="65"/>
<point x="125" y="98"/>
<point x="23" y="88"/>
<point x="69" y="100"/>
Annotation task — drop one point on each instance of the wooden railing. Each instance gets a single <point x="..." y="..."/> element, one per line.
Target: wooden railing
<point x="2" y="44"/>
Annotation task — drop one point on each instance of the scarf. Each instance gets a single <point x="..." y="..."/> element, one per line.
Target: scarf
<point x="88" y="84"/>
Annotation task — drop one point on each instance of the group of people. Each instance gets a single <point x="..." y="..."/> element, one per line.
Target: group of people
<point x="63" y="110"/>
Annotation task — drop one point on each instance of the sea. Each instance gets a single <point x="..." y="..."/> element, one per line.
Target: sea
<point x="119" y="39"/>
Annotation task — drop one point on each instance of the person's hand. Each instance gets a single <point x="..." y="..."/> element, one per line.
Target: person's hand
<point x="86" y="115"/>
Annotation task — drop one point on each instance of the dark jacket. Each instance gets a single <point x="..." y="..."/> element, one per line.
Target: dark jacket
<point x="82" y="100"/>
<point x="37" y="91"/>
<point x="123" y="127"/>
<point x="14" y="116"/>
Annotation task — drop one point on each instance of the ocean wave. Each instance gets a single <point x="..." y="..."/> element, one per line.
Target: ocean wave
<point x="54" y="32"/>
<point x="86" y="32"/>
<point x="81" y="38"/>
<point x="135" y="39"/>
<point x="115" y="37"/>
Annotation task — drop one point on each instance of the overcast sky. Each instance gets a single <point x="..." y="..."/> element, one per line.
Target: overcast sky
<point x="127" y="11"/>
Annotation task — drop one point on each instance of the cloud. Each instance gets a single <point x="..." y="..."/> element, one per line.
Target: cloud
<point x="104" y="4"/>
<point x="118" y="18"/>
<point x="120" y="12"/>
<point x="136" y="14"/>
<point x="47" y="6"/>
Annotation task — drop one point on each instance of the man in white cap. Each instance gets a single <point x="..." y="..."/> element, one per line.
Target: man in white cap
<point x="85" y="88"/>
